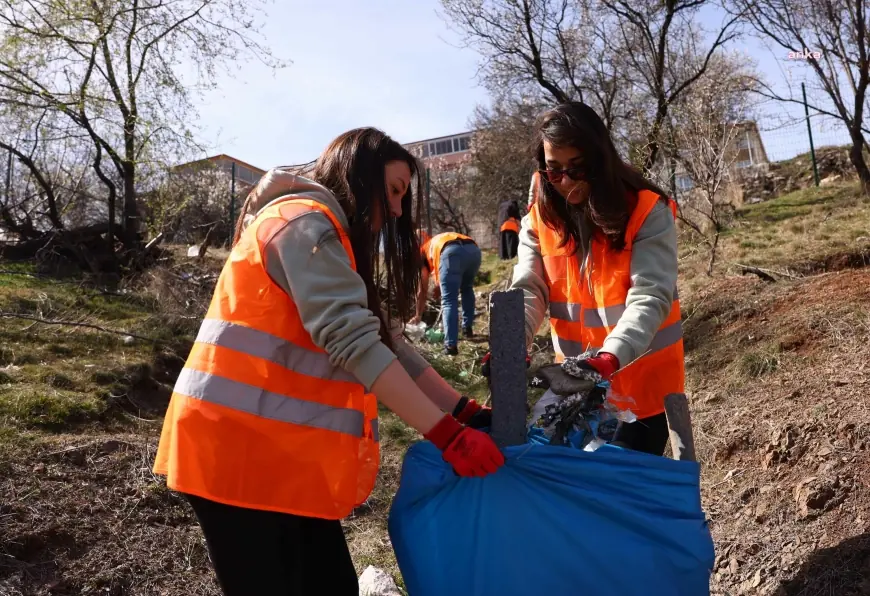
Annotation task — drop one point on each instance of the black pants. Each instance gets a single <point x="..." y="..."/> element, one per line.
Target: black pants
<point x="272" y="554"/>
<point x="649" y="435"/>
<point x="509" y="243"/>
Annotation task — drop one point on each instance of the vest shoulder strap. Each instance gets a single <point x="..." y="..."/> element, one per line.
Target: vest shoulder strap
<point x="646" y="202"/>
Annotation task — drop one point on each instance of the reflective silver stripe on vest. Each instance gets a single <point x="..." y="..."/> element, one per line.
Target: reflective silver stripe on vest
<point x="603" y="317"/>
<point x="666" y="337"/>
<point x="376" y="433"/>
<point x="270" y="347"/>
<point x="591" y="317"/>
<point x="567" y="347"/>
<point x="565" y="311"/>
<point x="265" y="404"/>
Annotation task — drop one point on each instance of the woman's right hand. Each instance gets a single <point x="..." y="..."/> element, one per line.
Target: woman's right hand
<point x="470" y="452"/>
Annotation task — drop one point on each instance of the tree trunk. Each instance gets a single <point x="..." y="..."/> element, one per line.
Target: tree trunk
<point x="856" y="156"/>
<point x="130" y="221"/>
<point x="652" y="139"/>
<point x="714" y="246"/>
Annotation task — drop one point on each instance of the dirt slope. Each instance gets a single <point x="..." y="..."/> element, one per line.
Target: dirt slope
<point x="779" y="378"/>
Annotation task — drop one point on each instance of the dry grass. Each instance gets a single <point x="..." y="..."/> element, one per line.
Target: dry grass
<point x="807" y="225"/>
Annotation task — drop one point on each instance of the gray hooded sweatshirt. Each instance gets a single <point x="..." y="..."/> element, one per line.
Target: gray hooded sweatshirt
<point x="307" y="260"/>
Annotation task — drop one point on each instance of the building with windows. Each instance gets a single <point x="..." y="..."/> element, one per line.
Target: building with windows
<point x="246" y="174"/>
<point x="745" y="154"/>
<point x="447" y="151"/>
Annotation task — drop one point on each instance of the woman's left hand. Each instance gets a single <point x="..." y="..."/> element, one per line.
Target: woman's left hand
<point x="472" y="414"/>
<point x="605" y="364"/>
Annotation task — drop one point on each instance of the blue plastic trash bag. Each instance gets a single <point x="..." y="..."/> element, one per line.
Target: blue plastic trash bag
<point x="553" y="520"/>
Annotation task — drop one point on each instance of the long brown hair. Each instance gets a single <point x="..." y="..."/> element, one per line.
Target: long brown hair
<point x="353" y="168"/>
<point x="612" y="181"/>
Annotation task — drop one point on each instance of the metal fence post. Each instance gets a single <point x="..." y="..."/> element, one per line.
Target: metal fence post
<point x="429" y="201"/>
<point x="232" y="200"/>
<point x="810" y="133"/>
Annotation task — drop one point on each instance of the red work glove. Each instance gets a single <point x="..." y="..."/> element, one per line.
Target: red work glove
<point x="472" y="414"/>
<point x="605" y="364"/>
<point x="469" y="451"/>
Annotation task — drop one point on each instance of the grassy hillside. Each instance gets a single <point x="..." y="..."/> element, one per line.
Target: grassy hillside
<point x="777" y="376"/>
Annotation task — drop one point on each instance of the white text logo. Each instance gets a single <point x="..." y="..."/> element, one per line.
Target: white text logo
<point x="805" y="55"/>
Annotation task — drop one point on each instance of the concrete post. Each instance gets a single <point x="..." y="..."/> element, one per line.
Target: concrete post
<point x="507" y="339"/>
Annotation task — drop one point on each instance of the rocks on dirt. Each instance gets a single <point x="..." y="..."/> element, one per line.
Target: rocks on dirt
<point x="377" y="582"/>
<point x="815" y="495"/>
<point x="761" y="184"/>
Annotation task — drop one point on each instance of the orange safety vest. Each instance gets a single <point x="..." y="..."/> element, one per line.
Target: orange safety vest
<point x="433" y="247"/>
<point x="512" y="224"/>
<point x="584" y="309"/>
<point x="259" y="417"/>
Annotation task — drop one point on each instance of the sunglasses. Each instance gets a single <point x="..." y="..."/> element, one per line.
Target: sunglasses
<point x="576" y="174"/>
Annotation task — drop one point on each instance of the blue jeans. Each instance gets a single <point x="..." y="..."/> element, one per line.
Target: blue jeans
<point x="459" y="266"/>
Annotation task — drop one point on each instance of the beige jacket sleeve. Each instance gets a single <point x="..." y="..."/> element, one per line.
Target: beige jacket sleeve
<point x="653" y="284"/>
<point x="307" y="260"/>
<point x="529" y="277"/>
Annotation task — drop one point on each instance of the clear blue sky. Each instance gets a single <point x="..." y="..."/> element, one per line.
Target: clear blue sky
<point x="393" y="64"/>
<point x="387" y="63"/>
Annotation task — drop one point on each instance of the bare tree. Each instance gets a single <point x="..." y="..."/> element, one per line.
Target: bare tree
<point x="553" y="45"/>
<point x="666" y="53"/>
<point x="706" y="123"/>
<point x="630" y="60"/>
<point x="832" y="37"/>
<point x="113" y="69"/>
<point x="449" y="197"/>
<point x="501" y="153"/>
<point x="187" y="204"/>
<point x="46" y="172"/>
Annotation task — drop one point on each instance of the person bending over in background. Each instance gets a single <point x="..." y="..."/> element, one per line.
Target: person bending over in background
<point x="454" y="260"/>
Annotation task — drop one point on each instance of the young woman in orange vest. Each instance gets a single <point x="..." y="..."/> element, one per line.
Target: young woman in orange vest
<point x="599" y="249"/>
<point x="510" y="232"/>
<point x="272" y="429"/>
<point x="454" y="259"/>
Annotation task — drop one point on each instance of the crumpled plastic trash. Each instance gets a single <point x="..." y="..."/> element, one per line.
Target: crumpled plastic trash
<point x="583" y="420"/>
<point x="416" y="332"/>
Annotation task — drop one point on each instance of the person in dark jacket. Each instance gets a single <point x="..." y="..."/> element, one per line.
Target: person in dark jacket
<point x="510" y="232"/>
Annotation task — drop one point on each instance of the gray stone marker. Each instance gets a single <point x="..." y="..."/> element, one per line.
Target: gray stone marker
<point x="680" y="426"/>
<point x="507" y="339"/>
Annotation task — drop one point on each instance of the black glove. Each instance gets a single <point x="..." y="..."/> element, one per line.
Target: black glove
<point x="472" y="414"/>
<point x="484" y="364"/>
<point x="554" y="377"/>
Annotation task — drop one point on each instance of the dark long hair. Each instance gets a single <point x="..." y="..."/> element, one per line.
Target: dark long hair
<point x="353" y="168"/>
<point x="613" y="183"/>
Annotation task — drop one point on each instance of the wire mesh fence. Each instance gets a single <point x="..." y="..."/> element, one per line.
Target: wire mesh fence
<point x="785" y="140"/>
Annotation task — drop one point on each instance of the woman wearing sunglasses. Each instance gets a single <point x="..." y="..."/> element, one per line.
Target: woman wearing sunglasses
<point x="599" y="249"/>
